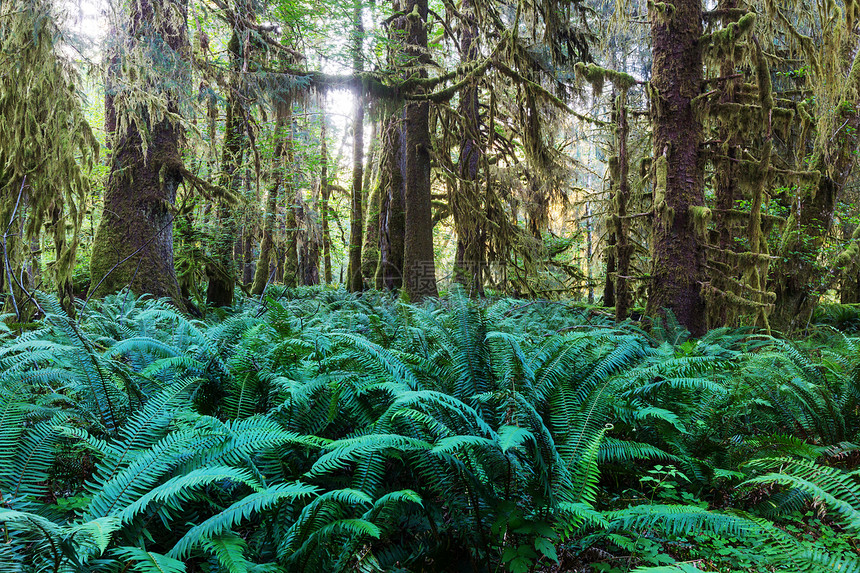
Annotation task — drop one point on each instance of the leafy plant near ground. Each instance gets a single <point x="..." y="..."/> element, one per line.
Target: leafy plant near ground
<point x="326" y="432"/>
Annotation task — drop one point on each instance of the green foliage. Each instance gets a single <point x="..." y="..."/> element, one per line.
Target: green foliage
<point x="327" y="431"/>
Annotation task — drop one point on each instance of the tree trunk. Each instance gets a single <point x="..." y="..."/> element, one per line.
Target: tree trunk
<point x="324" y="198"/>
<point x="418" y="256"/>
<point x="134" y="243"/>
<point x="798" y="273"/>
<point x="262" y="274"/>
<point x="678" y="255"/>
<point x="221" y="271"/>
<point x="389" y="270"/>
<point x="290" y="266"/>
<point x="623" y="248"/>
<point x="355" y="282"/>
<point x="467" y="205"/>
<point x="370" y="249"/>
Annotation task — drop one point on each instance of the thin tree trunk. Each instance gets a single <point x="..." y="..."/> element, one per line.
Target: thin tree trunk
<point x="623" y="248"/>
<point x="370" y="249"/>
<point x="221" y="271"/>
<point x="291" y="254"/>
<point x="325" y="192"/>
<point x="355" y="282"/>
<point x="262" y="274"/>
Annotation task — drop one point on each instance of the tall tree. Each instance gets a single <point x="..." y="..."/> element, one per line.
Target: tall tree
<point x="418" y="255"/>
<point x="467" y="205"/>
<point x="134" y="243"/>
<point x="354" y="279"/>
<point x="43" y="132"/>
<point x="678" y="253"/>
<point x="262" y="274"/>
<point x="221" y="268"/>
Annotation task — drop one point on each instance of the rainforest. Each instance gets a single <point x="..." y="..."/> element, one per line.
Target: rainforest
<point x="479" y="286"/>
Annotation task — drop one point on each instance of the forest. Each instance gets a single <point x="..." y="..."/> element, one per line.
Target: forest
<point x="429" y="286"/>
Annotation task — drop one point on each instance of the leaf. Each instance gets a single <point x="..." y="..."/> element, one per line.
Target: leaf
<point x="149" y="562"/>
<point x="546" y="547"/>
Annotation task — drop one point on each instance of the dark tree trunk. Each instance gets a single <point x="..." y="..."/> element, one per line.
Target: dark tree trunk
<point x="623" y="247"/>
<point x="221" y="271"/>
<point x="389" y="270"/>
<point x="134" y="243"/>
<point x="467" y="205"/>
<point x="418" y="256"/>
<point x="678" y="253"/>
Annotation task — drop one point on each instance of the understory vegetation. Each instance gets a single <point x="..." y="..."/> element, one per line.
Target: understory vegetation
<point x="315" y="430"/>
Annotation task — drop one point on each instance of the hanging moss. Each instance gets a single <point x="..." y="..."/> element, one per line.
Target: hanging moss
<point x="765" y="87"/>
<point x="725" y="42"/>
<point x="596" y="76"/>
<point x="701" y="218"/>
<point x="662" y="11"/>
<point x="661" y="176"/>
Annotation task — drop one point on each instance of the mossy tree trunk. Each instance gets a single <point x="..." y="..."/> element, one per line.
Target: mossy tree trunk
<point x="134" y="243"/>
<point x="467" y="205"/>
<point x="678" y="253"/>
<point x="726" y="178"/>
<point x="289" y="272"/>
<point x="221" y="271"/>
<point x="355" y="282"/>
<point x="623" y="246"/>
<point x="418" y="256"/>
<point x="370" y="248"/>
<point x="800" y="275"/>
<point x="263" y="273"/>
<point x="389" y="269"/>
<point x="325" y="192"/>
<point x="798" y="272"/>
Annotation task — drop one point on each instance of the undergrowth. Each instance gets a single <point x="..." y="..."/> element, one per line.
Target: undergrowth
<point x="322" y="431"/>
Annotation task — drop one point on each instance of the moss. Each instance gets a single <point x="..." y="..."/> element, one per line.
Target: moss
<point x="849" y="255"/>
<point x="663" y="11"/>
<point x="701" y="218"/>
<point x="661" y="175"/>
<point x="723" y="43"/>
<point x="666" y="213"/>
<point x="595" y="75"/>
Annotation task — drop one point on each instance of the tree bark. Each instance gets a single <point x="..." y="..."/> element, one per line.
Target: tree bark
<point x="623" y="247"/>
<point x="134" y="243"/>
<point x="467" y="204"/>
<point x="355" y="282"/>
<point x="418" y="256"/>
<point x="389" y="270"/>
<point x="221" y="271"/>
<point x="678" y="253"/>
